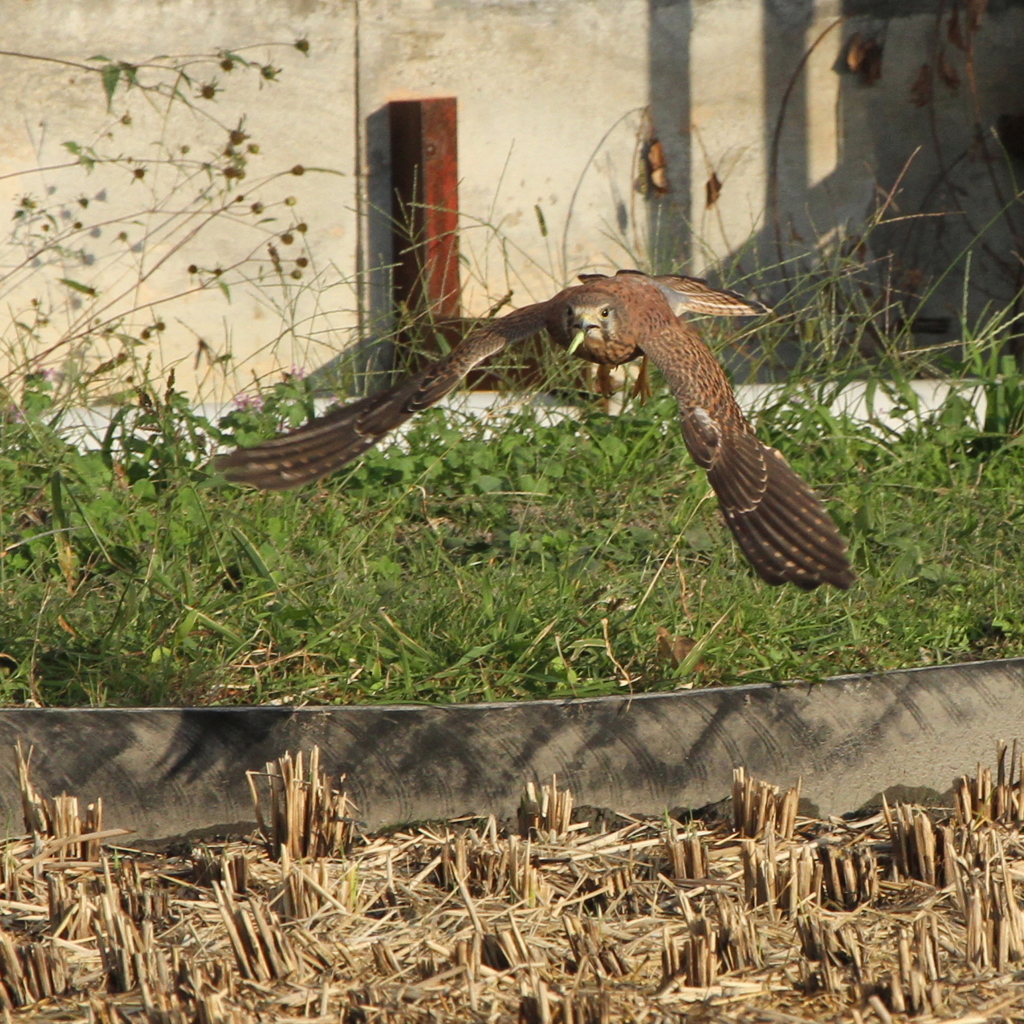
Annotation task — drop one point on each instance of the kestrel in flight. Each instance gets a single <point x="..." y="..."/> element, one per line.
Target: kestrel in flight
<point x="777" y="519"/>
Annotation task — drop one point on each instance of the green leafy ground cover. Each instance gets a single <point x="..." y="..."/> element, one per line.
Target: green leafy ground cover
<point x="577" y="559"/>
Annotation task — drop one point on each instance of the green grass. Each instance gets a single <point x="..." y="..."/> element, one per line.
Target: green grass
<point x="570" y="560"/>
<point x="542" y="562"/>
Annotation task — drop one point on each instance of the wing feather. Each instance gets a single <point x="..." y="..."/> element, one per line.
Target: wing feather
<point x="695" y="295"/>
<point x="779" y="522"/>
<point x="329" y="442"/>
<point x="691" y="294"/>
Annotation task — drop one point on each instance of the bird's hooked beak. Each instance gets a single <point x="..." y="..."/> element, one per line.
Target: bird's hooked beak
<point x="581" y="325"/>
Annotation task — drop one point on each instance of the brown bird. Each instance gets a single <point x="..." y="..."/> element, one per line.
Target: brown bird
<point x="780" y="523"/>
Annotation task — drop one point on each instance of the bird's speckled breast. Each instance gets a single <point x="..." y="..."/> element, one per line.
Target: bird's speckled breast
<point x="607" y="354"/>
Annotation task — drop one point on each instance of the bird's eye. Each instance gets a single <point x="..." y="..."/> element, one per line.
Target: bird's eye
<point x="606" y="312"/>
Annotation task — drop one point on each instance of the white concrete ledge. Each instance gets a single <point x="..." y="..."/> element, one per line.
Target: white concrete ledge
<point x="86" y="427"/>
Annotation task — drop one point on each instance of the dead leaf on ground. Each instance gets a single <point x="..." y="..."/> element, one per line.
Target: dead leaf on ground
<point x="674" y="649"/>
<point x="911" y="280"/>
<point x="655" y="170"/>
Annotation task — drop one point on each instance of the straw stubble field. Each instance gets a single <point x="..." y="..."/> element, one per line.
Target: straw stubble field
<point x="763" y="915"/>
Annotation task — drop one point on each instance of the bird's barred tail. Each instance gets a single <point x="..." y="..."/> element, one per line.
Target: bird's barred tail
<point x="778" y="521"/>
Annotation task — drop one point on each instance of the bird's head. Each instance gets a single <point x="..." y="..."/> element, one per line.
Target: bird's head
<point x="596" y="327"/>
<point x="586" y="321"/>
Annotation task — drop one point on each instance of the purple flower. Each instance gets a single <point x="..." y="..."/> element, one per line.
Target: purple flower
<point x="249" y="402"/>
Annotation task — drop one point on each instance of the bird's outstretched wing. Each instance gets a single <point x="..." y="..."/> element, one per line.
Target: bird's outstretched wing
<point x="693" y="294"/>
<point x="777" y="519"/>
<point x="327" y="443"/>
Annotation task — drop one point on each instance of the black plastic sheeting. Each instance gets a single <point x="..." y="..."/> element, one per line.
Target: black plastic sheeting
<point x="171" y="772"/>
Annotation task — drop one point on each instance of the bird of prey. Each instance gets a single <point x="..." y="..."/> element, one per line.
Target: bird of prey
<point x="777" y="519"/>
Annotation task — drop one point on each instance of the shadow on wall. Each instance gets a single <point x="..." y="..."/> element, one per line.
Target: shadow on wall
<point x="372" y="358"/>
<point x="915" y="120"/>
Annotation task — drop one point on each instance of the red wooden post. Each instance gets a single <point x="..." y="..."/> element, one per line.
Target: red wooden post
<point x="425" y="206"/>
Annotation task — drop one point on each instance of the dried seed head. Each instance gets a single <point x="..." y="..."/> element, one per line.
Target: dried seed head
<point x="302" y="262"/>
<point x="298" y="170"/>
<point x="302" y="45"/>
<point x="139" y="172"/>
<point x="193" y="269"/>
<point x="287" y="238"/>
<point x="227" y="64"/>
<point x="208" y="91"/>
<point x="302" y="227"/>
<point x="290" y="200"/>
<point x="237" y="137"/>
<point x="296" y="274"/>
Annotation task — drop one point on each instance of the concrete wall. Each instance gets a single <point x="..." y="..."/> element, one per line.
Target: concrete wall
<point x="559" y="101"/>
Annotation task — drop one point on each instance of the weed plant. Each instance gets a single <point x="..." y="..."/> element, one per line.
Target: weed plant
<point x="466" y="562"/>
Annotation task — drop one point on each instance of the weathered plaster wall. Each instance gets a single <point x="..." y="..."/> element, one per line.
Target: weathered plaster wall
<point x="557" y="99"/>
<point x="308" y="117"/>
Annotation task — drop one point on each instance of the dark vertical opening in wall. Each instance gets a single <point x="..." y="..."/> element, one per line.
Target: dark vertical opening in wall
<point x="668" y="123"/>
<point x="377" y="355"/>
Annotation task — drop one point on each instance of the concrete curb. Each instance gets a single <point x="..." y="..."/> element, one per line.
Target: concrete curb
<point x="170" y="772"/>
